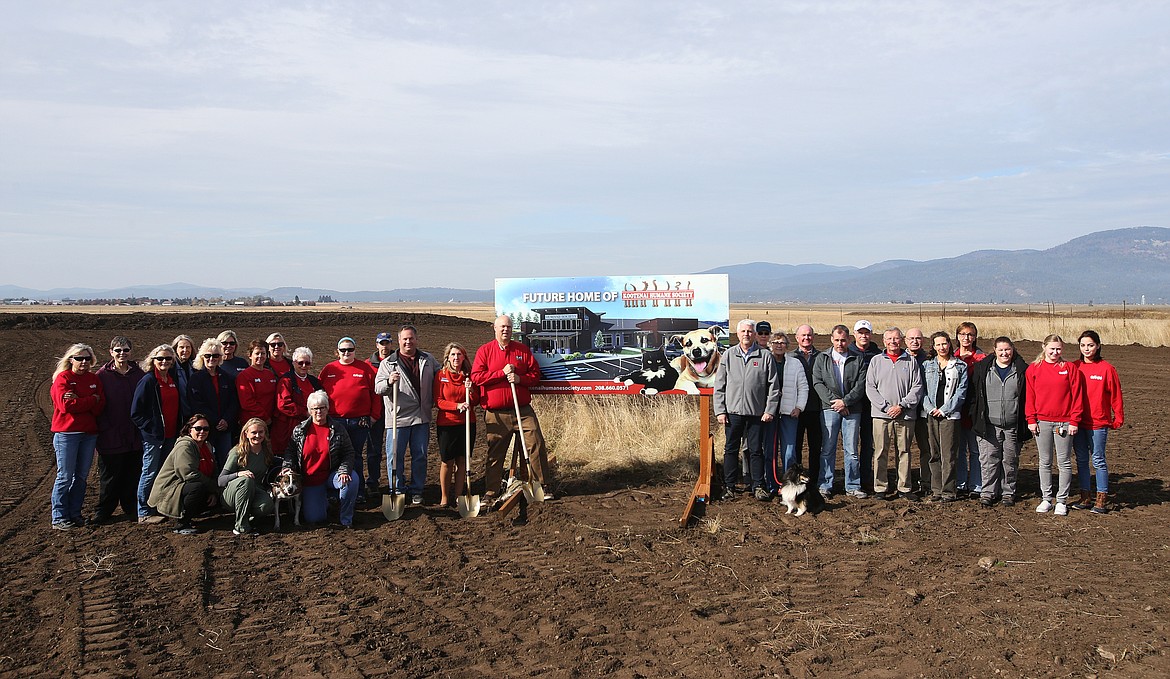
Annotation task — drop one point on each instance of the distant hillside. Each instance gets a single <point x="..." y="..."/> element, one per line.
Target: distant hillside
<point x="1104" y="267"/>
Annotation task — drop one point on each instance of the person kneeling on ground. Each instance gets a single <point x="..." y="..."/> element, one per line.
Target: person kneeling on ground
<point x="321" y="452"/>
<point x="184" y="487"/>
<point x="243" y="476"/>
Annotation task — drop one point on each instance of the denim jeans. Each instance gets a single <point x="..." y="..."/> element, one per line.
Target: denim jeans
<point x="1092" y="442"/>
<point x="315" y="500"/>
<point x="374" y="452"/>
<point x="849" y="426"/>
<point x="967" y="467"/>
<point x="153" y="454"/>
<point x="74" y="457"/>
<point x="357" y="437"/>
<point x="416" y="436"/>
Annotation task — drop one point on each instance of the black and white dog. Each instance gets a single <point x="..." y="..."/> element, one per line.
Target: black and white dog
<point x="796" y="492"/>
<point x="287" y="487"/>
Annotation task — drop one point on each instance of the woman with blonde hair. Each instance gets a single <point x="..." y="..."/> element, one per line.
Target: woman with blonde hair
<point x="232" y="363"/>
<point x="212" y="391"/>
<point x="159" y="408"/>
<point x="451" y="398"/>
<point x="77" y="399"/>
<point x="243" y="477"/>
<point x="1053" y="407"/>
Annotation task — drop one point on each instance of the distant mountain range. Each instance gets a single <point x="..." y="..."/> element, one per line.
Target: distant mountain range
<point x="1104" y="268"/>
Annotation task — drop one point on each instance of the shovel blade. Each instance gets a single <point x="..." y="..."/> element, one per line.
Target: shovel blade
<point x="393" y="505"/>
<point x="537" y="492"/>
<point x="468" y="505"/>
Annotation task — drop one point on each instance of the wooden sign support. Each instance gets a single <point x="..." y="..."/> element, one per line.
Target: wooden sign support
<point x="701" y="494"/>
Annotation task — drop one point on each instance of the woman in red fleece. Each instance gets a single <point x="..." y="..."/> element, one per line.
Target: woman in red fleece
<point x="1053" y="409"/>
<point x="451" y="398"/>
<point x="1103" y="410"/>
<point x="256" y="386"/>
<point x="77" y="400"/>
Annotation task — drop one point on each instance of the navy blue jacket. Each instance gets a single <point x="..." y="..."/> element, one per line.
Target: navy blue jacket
<point x="202" y="399"/>
<point x="146" y="408"/>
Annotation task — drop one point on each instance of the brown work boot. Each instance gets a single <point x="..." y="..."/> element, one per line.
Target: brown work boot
<point x="1085" y="502"/>
<point x="1099" y="508"/>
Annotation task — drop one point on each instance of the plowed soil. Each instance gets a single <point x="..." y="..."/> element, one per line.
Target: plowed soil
<point x="601" y="581"/>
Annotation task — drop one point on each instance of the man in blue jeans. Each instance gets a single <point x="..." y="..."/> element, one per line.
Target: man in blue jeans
<point x="839" y="381"/>
<point x="412" y="373"/>
<point x="746" y="396"/>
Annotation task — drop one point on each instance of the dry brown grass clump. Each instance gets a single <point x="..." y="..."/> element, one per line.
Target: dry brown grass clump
<point x="630" y="439"/>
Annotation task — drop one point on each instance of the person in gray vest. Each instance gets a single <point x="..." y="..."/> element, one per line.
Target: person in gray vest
<point x="746" y="396"/>
<point x="995" y="398"/>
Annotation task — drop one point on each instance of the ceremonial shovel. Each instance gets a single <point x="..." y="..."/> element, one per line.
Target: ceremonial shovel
<point x="467" y="503"/>
<point x="394" y="503"/>
<point x="532" y="490"/>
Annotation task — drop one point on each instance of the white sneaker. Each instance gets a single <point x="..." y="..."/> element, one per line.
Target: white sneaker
<point x="1061" y="509"/>
<point x="1043" y="507"/>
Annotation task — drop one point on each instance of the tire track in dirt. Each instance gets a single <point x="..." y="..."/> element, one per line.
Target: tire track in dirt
<point x="26" y="416"/>
<point x="103" y="638"/>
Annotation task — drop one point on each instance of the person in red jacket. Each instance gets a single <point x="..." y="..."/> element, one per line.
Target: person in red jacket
<point x="256" y="386"/>
<point x="77" y="399"/>
<point x="454" y="403"/>
<point x="1053" y="406"/>
<point x="292" y="395"/>
<point x="498" y="364"/>
<point x="1103" y="410"/>
<point x="349" y="382"/>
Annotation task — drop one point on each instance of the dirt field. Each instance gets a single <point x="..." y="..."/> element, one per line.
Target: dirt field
<point x="599" y="582"/>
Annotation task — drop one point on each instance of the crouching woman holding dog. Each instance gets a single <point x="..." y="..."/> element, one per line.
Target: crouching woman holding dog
<point x="320" y="450"/>
<point x="185" y="487"/>
<point x="243" y="476"/>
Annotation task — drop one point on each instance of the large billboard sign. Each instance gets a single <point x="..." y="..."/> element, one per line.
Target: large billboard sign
<point x="620" y="334"/>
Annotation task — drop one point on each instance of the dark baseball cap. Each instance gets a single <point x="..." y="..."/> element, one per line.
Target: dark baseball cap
<point x="764" y="326"/>
<point x="383" y="336"/>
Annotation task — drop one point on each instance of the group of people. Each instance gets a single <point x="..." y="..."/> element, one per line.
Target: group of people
<point x="187" y="430"/>
<point x="968" y="411"/>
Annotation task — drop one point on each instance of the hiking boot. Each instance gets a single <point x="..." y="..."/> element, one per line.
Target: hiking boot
<point x="1100" y="508"/>
<point x="908" y="496"/>
<point x="1008" y="501"/>
<point x="1044" y="506"/>
<point x="1061" y="509"/>
<point x="1085" y="502"/>
<point x="728" y="494"/>
<point x="763" y="495"/>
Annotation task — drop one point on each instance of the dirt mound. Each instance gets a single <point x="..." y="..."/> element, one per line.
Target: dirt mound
<point x="598" y="584"/>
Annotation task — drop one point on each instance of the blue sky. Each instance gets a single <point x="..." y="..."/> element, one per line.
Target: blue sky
<point x="357" y="145"/>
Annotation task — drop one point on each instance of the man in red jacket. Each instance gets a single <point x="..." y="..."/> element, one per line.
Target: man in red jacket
<point x="499" y="364"/>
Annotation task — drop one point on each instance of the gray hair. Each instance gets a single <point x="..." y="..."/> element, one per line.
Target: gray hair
<point x="303" y="351"/>
<point x="746" y="321"/>
<point x="317" y="398"/>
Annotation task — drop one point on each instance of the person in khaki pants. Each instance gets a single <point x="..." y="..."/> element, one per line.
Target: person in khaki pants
<point x="893" y="384"/>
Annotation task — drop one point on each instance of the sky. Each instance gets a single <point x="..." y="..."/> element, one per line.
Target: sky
<point x="373" y="146"/>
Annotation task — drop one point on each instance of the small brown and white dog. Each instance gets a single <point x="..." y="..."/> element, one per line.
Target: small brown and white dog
<point x="287" y="487"/>
<point x="700" y="358"/>
<point x="795" y="491"/>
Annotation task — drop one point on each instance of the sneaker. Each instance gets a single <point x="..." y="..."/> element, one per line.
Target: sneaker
<point x="63" y="525"/>
<point x="547" y="496"/>
<point x="857" y="494"/>
<point x="416" y="500"/>
<point x="986" y="503"/>
<point x="186" y="530"/>
<point x="1061" y="509"/>
<point x="251" y="532"/>
<point x="1099" y="510"/>
<point x="763" y="495"/>
<point x="1043" y="507"/>
<point x="728" y="494"/>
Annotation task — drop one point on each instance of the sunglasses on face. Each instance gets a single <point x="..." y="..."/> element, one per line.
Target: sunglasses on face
<point x="208" y="357"/>
<point x="164" y="359"/>
<point x="120" y="350"/>
<point x="200" y="429"/>
<point x="276" y="345"/>
<point x="345" y="350"/>
<point x="304" y="364"/>
<point x="228" y="343"/>
<point x="81" y="359"/>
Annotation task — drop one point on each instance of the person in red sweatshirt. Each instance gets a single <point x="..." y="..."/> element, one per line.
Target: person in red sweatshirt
<point x="292" y="395"/>
<point x="256" y="386"/>
<point x="1053" y="406"/>
<point x="455" y="403"/>
<point x="1103" y="410"/>
<point x="349" y="382"/>
<point x="499" y="364"/>
<point x="77" y="400"/>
